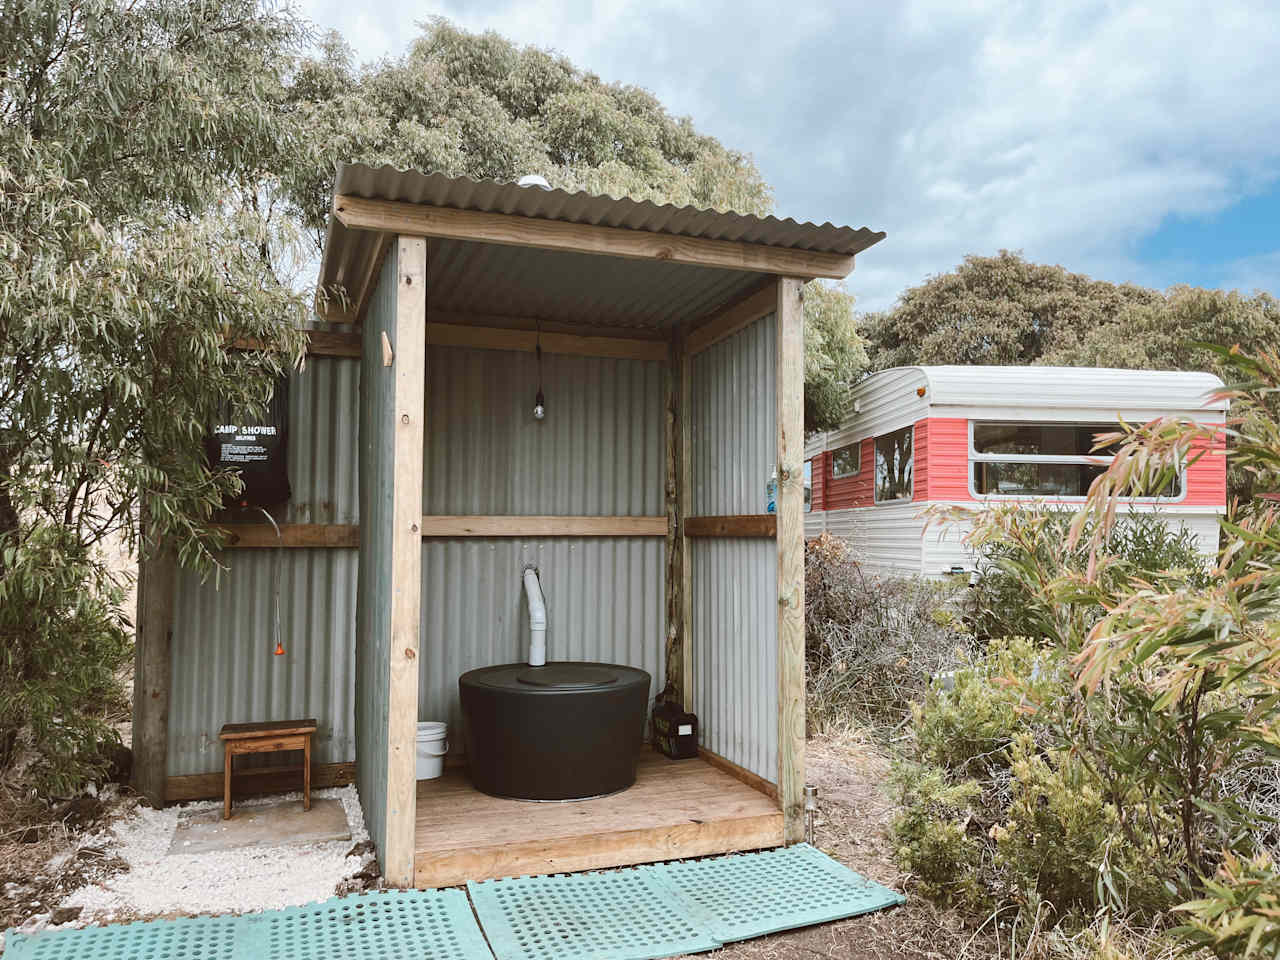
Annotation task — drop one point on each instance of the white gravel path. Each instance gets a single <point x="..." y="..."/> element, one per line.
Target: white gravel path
<point x="234" y="881"/>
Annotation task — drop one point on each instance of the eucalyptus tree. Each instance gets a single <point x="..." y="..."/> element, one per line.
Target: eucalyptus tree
<point x="479" y="105"/>
<point x="138" y="148"/>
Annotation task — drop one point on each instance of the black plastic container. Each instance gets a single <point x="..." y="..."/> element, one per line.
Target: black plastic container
<point x="564" y="731"/>
<point x="675" y="733"/>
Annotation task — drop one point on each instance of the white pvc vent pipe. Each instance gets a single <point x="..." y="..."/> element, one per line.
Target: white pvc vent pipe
<point x="537" y="618"/>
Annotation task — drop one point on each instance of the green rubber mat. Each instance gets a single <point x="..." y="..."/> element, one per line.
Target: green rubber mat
<point x="397" y="925"/>
<point x="621" y="915"/>
<point x="751" y="894"/>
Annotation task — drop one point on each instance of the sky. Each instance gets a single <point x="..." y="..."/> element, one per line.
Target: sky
<point x="1135" y="142"/>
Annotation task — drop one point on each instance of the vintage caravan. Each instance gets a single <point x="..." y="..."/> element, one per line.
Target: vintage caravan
<point x="966" y="435"/>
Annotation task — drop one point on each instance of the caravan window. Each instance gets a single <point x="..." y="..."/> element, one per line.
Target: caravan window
<point x="1056" y="460"/>
<point x="847" y="460"/>
<point x="894" y="460"/>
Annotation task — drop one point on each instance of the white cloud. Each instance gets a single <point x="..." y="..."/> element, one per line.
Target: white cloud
<point x="1067" y="130"/>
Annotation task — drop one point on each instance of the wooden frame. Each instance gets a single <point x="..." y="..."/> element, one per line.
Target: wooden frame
<point x="157" y="580"/>
<point x="409" y="410"/>
<point x="684" y="506"/>
<point x="676" y="809"/>
<point x="262" y="535"/>
<point x="357" y="213"/>
<point x="739" y="773"/>
<point x="274" y="779"/>
<point x="746" y="525"/>
<point x="506" y="338"/>
<point x="320" y="343"/>
<point x="521" y="526"/>
<point x="735" y="317"/>
<point x="790" y="542"/>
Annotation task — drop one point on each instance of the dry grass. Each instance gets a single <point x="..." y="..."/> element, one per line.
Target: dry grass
<point x="41" y="859"/>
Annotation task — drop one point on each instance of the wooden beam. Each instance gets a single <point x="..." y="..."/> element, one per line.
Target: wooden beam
<point x="519" y="526"/>
<point x="790" y="541"/>
<point x="746" y="525"/>
<point x="320" y="343"/>
<point x="369" y="281"/>
<point x="242" y="536"/>
<point x="157" y="579"/>
<point x="549" y="324"/>
<point x="685" y="508"/>
<point x="673" y="644"/>
<point x="409" y="410"/>
<point x="498" y="338"/>
<point x="733" y="318"/>
<point x="740" y="773"/>
<point x="208" y="786"/>
<point x="357" y="213"/>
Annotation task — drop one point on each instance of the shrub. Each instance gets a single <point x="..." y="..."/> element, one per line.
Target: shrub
<point x="1116" y="798"/>
<point x="1005" y="601"/>
<point x="873" y="643"/>
<point x="62" y="644"/>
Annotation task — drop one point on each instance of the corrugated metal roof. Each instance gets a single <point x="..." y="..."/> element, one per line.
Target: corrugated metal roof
<point x="487" y="279"/>
<point x="1099" y="388"/>
<point x="490" y="196"/>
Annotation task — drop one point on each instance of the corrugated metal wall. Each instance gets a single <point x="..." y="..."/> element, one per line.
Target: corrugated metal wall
<point x="734" y="436"/>
<point x="223" y="667"/>
<point x="598" y="452"/>
<point x="373" y="599"/>
<point x="734" y="580"/>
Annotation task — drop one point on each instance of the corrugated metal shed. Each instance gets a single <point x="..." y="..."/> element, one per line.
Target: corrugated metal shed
<point x="563" y="286"/>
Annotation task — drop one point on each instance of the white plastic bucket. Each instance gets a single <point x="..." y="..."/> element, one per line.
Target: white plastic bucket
<point x="433" y="744"/>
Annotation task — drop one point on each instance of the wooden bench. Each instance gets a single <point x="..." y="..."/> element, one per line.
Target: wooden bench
<point x="239" y="738"/>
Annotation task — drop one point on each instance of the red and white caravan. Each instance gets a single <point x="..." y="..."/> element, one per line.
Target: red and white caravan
<point x="919" y="436"/>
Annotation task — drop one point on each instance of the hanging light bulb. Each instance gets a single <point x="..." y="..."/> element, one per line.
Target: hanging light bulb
<point x="279" y="649"/>
<point x="539" y="402"/>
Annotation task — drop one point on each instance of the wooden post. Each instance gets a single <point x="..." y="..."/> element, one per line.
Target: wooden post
<point x="157" y="577"/>
<point x="790" y="542"/>
<point x="684" y="508"/>
<point x="679" y="645"/>
<point x="408" y="408"/>
<point x="673" y="657"/>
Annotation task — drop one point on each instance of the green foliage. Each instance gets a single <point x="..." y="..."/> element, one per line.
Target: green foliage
<point x="62" y="643"/>
<point x="1214" y="650"/>
<point x="1005" y="310"/>
<point x="1006" y="599"/>
<point x="835" y="356"/>
<point x="480" y="106"/>
<point x="1115" y="798"/>
<point x="135" y="148"/>
<point x="139" y="150"/>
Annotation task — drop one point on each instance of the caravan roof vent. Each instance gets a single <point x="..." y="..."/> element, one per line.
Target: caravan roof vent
<point x="533" y="180"/>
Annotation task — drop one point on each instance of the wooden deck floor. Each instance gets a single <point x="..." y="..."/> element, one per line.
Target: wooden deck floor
<point x="677" y="808"/>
